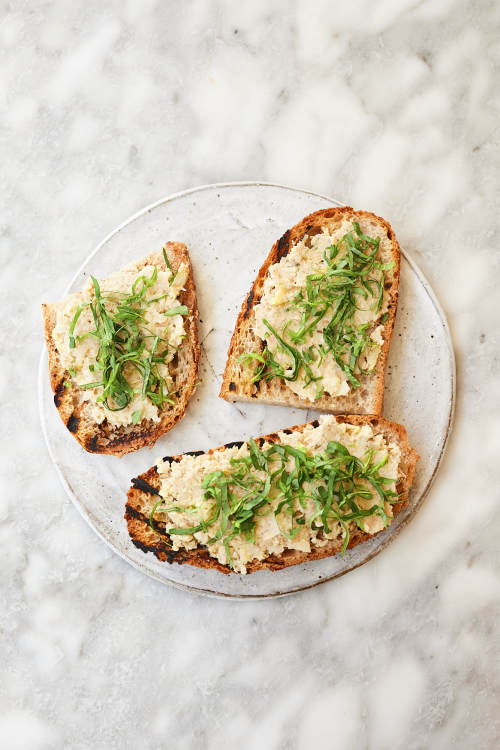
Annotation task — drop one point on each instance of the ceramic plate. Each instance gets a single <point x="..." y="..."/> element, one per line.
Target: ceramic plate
<point x="229" y="229"/>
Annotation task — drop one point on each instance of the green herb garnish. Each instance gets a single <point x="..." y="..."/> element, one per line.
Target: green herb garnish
<point x="286" y="480"/>
<point x="180" y="310"/>
<point x="77" y="314"/>
<point x="169" y="266"/>
<point x="330" y="298"/>
<point x="125" y="346"/>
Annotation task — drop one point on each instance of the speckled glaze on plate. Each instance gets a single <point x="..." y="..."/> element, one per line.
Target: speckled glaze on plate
<point x="229" y="229"/>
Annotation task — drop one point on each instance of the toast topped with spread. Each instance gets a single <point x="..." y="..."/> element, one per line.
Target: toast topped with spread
<point x="315" y="329"/>
<point x="301" y="494"/>
<point x="123" y="352"/>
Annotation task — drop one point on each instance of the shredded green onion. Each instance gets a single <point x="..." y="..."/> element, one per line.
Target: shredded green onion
<point x="180" y="310"/>
<point x="331" y="296"/>
<point x="285" y="478"/>
<point x="124" y="345"/>
<point x="169" y="266"/>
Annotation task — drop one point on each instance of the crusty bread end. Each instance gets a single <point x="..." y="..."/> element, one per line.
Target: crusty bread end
<point x="110" y="439"/>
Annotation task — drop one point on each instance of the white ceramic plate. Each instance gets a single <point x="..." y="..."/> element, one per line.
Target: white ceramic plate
<point x="229" y="229"/>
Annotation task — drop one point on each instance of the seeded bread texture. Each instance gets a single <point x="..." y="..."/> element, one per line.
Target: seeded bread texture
<point x="144" y="493"/>
<point x="368" y="397"/>
<point x="119" y="440"/>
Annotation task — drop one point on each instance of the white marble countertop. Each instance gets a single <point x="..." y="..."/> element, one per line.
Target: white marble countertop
<point x="391" y="106"/>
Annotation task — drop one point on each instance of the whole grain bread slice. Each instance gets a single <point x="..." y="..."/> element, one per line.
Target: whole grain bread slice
<point x="119" y="440"/>
<point x="368" y="397"/>
<point x="144" y="493"/>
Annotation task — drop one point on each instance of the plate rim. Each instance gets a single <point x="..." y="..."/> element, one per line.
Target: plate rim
<point x="142" y="568"/>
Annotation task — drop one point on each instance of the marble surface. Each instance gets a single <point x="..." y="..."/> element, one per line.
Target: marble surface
<point x="391" y="106"/>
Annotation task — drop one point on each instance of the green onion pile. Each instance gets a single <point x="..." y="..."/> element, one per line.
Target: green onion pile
<point x="328" y="296"/>
<point x="126" y="342"/>
<point x="263" y="482"/>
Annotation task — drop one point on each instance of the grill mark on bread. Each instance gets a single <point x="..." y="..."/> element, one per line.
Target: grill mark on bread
<point x="249" y="304"/>
<point x="283" y="246"/>
<point x="161" y="547"/>
<point x="141" y="484"/>
<point x="72" y="423"/>
<point x="134" y="513"/>
<point x="163" y="553"/>
<point x="59" y="393"/>
<point x="92" y="444"/>
<point x="177" y="556"/>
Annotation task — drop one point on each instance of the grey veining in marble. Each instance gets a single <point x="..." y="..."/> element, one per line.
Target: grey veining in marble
<point x="392" y="106"/>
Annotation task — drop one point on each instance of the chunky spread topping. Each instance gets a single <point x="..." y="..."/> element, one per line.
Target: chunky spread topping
<point x="322" y="312"/>
<point x="307" y="489"/>
<point x="117" y="338"/>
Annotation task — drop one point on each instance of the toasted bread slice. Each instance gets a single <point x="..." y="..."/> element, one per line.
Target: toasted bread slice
<point x="144" y="494"/>
<point x="121" y="439"/>
<point x="367" y="398"/>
